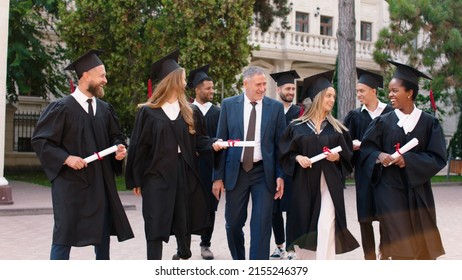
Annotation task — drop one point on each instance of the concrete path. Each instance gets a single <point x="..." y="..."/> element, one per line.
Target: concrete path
<point x="26" y="227"/>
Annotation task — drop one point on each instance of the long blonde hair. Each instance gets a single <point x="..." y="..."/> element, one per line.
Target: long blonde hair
<point x="315" y="110"/>
<point x="171" y="85"/>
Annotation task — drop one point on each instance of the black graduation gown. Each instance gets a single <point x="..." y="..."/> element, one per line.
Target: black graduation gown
<point x="299" y="139"/>
<point x="283" y="204"/>
<point x="404" y="198"/>
<point x="152" y="164"/>
<point x="206" y="159"/>
<point x="79" y="196"/>
<point x="357" y="122"/>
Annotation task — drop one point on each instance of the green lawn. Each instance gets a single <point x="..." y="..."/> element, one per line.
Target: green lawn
<point x="38" y="177"/>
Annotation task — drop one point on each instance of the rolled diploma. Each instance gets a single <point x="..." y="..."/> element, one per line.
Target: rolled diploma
<point x="323" y="155"/>
<point x="236" y="143"/>
<point x="409" y="145"/>
<point x="356" y="142"/>
<point x="101" y="154"/>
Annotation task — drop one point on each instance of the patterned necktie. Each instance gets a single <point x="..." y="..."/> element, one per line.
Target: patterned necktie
<point x="90" y="107"/>
<point x="247" y="161"/>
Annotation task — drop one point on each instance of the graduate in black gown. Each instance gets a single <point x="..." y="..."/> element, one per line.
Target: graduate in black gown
<point x="286" y="89"/>
<point x="357" y="121"/>
<point x="403" y="194"/>
<point x="203" y="87"/>
<point x="162" y="163"/>
<point x="317" y="220"/>
<point x="86" y="205"/>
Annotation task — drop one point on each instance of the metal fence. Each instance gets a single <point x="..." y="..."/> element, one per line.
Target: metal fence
<point x="23" y="127"/>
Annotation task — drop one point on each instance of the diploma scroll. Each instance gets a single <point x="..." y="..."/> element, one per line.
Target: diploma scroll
<point x="356" y="142"/>
<point x="409" y="145"/>
<point x="324" y="154"/>
<point x="236" y="143"/>
<point x="100" y="155"/>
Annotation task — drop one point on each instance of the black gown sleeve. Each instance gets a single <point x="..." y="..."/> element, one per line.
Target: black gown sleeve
<point x="47" y="137"/>
<point x="136" y="152"/>
<point x="422" y="165"/>
<point x="116" y="137"/>
<point x="288" y="151"/>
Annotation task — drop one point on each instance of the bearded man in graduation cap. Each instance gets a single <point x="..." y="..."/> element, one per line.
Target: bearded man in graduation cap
<point x="402" y="185"/>
<point x="86" y="206"/>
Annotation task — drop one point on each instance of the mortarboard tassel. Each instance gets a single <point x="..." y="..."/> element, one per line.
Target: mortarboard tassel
<point x="432" y="100"/>
<point x="149" y="88"/>
<point x="72" y="85"/>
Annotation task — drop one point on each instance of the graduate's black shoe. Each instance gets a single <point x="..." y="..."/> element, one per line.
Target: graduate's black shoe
<point x="175" y="257"/>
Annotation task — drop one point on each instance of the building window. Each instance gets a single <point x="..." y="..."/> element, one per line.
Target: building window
<point x="301" y="22"/>
<point x="366" y="31"/>
<point x="326" y="26"/>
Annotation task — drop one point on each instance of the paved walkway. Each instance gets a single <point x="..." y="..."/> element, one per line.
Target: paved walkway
<point x="26" y="227"/>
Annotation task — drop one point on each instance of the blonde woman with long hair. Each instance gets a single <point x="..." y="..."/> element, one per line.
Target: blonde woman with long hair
<point x="162" y="164"/>
<point x="317" y="221"/>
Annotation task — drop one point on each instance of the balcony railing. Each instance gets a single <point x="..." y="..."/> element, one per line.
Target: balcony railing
<point x="301" y="41"/>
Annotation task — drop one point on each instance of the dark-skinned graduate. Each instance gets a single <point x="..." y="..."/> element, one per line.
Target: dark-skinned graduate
<point x="402" y="185"/>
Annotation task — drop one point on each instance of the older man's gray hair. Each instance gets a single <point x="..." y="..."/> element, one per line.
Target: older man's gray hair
<point x="251" y="71"/>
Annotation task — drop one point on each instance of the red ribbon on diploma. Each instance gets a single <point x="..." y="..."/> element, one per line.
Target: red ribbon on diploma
<point x="231" y="143"/>
<point x="326" y="150"/>
<point x="397" y="146"/>
<point x="99" y="158"/>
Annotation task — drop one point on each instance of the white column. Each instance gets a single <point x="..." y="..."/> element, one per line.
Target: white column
<point x="4" y="14"/>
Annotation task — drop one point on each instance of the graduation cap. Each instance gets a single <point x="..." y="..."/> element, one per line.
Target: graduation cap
<point x="164" y="66"/>
<point x="198" y="75"/>
<point x="370" y="79"/>
<point x="315" y="84"/>
<point x="86" y="62"/>
<point x="408" y="73"/>
<point x="286" y="77"/>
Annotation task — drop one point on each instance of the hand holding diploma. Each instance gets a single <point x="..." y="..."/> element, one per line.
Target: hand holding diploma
<point x="396" y="158"/>
<point x="101" y="154"/>
<point x="331" y="154"/>
<point x="324" y="154"/>
<point x="409" y="145"/>
<point x="236" y="143"/>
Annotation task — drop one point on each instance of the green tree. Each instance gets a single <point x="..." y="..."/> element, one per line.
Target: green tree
<point x="119" y="27"/>
<point x="135" y="33"/>
<point x="215" y="34"/>
<point x="265" y="12"/>
<point x="429" y="34"/>
<point x="33" y="65"/>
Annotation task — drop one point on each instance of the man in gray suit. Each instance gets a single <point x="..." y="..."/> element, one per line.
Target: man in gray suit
<point x="251" y="171"/>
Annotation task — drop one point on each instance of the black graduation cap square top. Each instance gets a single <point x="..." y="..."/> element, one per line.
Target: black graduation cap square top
<point x="197" y="76"/>
<point x="408" y="73"/>
<point x="86" y="62"/>
<point x="315" y="84"/>
<point x="164" y="66"/>
<point x="286" y="77"/>
<point x="370" y="79"/>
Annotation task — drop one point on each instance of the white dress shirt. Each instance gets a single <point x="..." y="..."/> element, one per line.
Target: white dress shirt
<point x="257" y="156"/>
<point x="203" y="107"/>
<point x="172" y="110"/>
<point x="82" y="100"/>
<point x="408" y="122"/>
<point x="377" y="112"/>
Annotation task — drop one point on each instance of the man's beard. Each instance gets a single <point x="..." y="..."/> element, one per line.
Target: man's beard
<point x="283" y="98"/>
<point x="97" y="91"/>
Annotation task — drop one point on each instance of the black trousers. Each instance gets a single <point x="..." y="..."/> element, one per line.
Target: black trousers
<point x="207" y="237"/>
